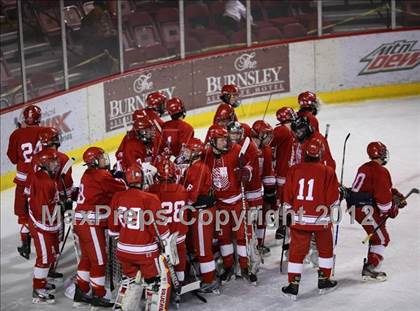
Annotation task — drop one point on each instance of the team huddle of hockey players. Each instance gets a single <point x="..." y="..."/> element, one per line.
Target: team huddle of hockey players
<point x="215" y="196"/>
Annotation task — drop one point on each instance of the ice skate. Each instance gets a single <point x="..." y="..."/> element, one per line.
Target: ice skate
<point x="369" y="274"/>
<point x="264" y="250"/>
<point x="325" y="285"/>
<point x="291" y="290"/>
<point x="81" y="299"/>
<point x="100" y="302"/>
<point x="210" y="288"/>
<point x="251" y="277"/>
<point x="42" y="296"/>
<point x="227" y="276"/>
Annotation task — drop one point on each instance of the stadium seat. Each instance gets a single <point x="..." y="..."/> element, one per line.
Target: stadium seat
<point x="142" y="29"/>
<point x="197" y="15"/>
<point x="192" y="44"/>
<point x="213" y="39"/>
<point x="168" y="24"/>
<point x="269" y="33"/>
<point x="43" y="83"/>
<point x="294" y="30"/>
<point x="73" y="17"/>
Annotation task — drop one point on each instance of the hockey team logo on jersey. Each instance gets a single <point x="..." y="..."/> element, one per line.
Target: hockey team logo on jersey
<point x="394" y="56"/>
<point x="245" y="61"/>
<point x="220" y="177"/>
<point x="142" y="83"/>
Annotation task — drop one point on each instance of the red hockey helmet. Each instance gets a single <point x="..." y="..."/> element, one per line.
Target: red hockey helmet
<point x="49" y="137"/>
<point x="377" y="150"/>
<point x="313" y="149"/>
<point x="166" y="170"/>
<point x="176" y="108"/>
<point x="225" y="115"/>
<point x="156" y="101"/>
<point x="96" y="157"/>
<point x="47" y="159"/>
<point x="191" y="150"/>
<point x="138" y="113"/>
<point x="144" y="128"/>
<point x="196" y="146"/>
<point x="32" y="115"/>
<point x="308" y="100"/>
<point x="286" y="115"/>
<point x="262" y="131"/>
<point x="230" y="95"/>
<point x="133" y="175"/>
<point x="217" y="133"/>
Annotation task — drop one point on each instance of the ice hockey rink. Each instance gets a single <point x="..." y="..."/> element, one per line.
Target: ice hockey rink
<point x="395" y="122"/>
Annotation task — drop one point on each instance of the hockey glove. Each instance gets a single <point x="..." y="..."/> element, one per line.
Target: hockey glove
<point x="244" y="174"/>
<point x="398" y="199"/>
<point x="270" y="195"/>
<point x="393" y="211"/>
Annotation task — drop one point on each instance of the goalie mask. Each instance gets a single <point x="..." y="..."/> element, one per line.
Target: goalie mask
<point x="236" y="132"/>
<point x="302" y="128"/>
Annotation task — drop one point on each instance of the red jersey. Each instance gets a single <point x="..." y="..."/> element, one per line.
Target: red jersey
<point x="313" y="121"/>
<point x="282" y="144"/>
<point x="265" y="161"/>
<point x="197" y="180"/>
<point x="173" y="198"/>
<point x="308" y="186"/>
<point x="297" y="156"/>
<point x="44" y="194"/>
<point x="376" y="180"/>
<point x="156" y="120"/>
<point x="65" y="183"/>
<point x="136" y="151"/>
<point x="119" y="153"/>
<point x="97" y="187"/>
<point x="137" y="238"/>
<point x="219" y="108"/>
<point x="174" y="134"/>
<point x="23" y="144"/>
<point x="225" y="182"/>
<point x="253" y="190"/>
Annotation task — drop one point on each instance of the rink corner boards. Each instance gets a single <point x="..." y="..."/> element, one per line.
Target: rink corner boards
<point x="259" y="108"/>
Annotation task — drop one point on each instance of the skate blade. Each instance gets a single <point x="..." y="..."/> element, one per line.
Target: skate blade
<point x="43" y="301"/>
<point x="290" y="296"/>
<point x="324" y="291"/>
<point x="233" y="277"/>
<point x="366" y="278"/>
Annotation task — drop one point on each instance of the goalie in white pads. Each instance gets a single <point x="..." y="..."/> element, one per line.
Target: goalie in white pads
<point x="133" y="213"/>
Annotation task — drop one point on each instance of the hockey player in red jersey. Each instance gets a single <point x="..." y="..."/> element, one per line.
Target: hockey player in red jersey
<point x="227" y="175"/>
<point x="137" y="247"/>
<point x="197" y="181"/>
<point x="23" y="144"/>
<point x="282" y="150"/>
<point x="309" y="106"/>
<point x="97" y="186"/>
<point x="261" y="135"/>
<point x="229" y="96"/>
<point x="50" y="139"/>
<point x="143" y="147"/>
<point x="155" y="108"/>
<point x="43" y="201"/>
<point x="224" y="115"/>
<point x="303" y="133"/>
<point x="309" y="185"/>
<point x="176" y="131"/>
<point x="374" y="180"/>
<point x="173" y="198"/>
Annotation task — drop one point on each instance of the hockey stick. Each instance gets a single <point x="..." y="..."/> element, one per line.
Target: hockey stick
<point x="414" y="190"/>
<point x="283" y="244"/>
<point x="110" y="265"/>
<point x="341" y="184"/>
<point x="268" y="104"/>
<point x="327" y="129"/>
<point x="64" y="171"/>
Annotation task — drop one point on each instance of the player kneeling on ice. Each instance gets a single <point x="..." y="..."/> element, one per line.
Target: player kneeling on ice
<point x="97" y="186"/>
<point x="311" y="189"/>
<point x="372" y="188"/>
<point x="228" y="176"/>
<point x="43" y="201"/>
<point x="132" y="221"/>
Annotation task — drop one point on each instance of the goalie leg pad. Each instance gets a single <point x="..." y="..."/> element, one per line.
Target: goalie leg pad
<point x="158" y="289"/>
<point x="134" y="289"/>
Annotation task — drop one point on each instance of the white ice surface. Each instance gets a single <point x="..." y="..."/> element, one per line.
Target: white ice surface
<point x="396" y="122"/>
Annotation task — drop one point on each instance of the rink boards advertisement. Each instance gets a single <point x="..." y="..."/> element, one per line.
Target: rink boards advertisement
<point x="198" y="82"/>
<point x="366" y="60"/>
<point x="67" y="113"/>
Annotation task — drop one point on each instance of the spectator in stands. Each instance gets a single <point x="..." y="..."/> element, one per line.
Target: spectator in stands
<point x="235" y="13"/>
<point x="99" y="34"/>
